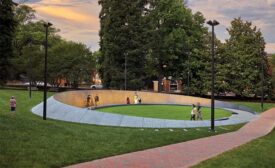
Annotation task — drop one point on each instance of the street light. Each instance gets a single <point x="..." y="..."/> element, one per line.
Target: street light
<point x="188" y="80"/>
<point x="262" y="83"/>
<point x="46" y="25"/>
<point x="213" y="24"/>
<point x="30" y="75"/>
<point x="125" y="71"/>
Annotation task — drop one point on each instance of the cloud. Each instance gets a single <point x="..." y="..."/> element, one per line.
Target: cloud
<point x="78" y="19"/>
<point x="260" y="12"/>
<point x="63" y="13"/>
<point x="270" y="48"/>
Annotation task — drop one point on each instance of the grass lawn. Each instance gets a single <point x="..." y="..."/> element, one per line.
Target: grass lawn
<point x="256" y="106"/>
<point x="164" y="111"/>
<point x="259" y="153"/>
<point x="28" y="141"/>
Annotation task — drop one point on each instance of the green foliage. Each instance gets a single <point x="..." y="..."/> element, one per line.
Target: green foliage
<point x="69" y="61"/>
<point x="149" y="34"/>
<point x="122" y="43"/>
<point x="244" y="51"/>
<point x="7" y="26"/>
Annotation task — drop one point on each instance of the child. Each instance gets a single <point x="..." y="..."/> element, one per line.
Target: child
<point x="12" y="104"/>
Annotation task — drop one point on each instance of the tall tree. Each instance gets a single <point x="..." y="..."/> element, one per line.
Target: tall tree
<point x="7" y="26"/>
<point x="122" y="42"/>
<point x="170" y="26"/>
<point x="245" y="51"/>
<point x="70" y="61"/>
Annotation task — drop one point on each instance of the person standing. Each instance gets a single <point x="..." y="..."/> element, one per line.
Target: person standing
<point x="128" y="100"/>
<point x="199" y="115"/>
<point x="136" y="98"/>
<point x="12" y="104"/>
<point x="193" y="112"/>
<point x="96" y="100"/>
<point x="88" y="101"/>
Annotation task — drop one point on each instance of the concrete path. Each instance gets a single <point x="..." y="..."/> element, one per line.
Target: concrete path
<point x="188" y="153"/>
<point x="60" y="111"/>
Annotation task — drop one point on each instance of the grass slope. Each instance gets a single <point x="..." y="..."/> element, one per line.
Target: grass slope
<point x="163" y="111"/>
<point x="28" y="141"/>
<point x="256" y="106"/>
<point x="259" y="153"/>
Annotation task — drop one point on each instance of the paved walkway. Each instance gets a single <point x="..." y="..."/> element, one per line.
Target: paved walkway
<point x="188" y="153"/>
<point x="60" y="111"/>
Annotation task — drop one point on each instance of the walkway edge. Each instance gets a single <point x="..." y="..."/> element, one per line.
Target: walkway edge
<point x="188" y="153"/>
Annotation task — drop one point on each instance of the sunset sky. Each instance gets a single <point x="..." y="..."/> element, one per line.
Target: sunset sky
<point x="78" y="19"/>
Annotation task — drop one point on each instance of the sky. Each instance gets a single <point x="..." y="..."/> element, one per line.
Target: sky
<point x="78" y="19"/>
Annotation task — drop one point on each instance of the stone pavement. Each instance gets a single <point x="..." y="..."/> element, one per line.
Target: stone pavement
<point x="188" y="153"/>
<point x="60" y="111"/>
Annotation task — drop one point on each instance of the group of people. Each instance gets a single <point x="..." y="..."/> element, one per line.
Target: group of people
<point x="89" y="101"/>
<point x="196" y="112"/>
<point x="137" y="99"/>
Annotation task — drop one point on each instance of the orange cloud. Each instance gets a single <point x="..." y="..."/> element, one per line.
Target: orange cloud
<point x="65" y="13"/>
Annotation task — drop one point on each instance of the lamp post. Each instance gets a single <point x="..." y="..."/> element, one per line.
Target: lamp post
<point x="125" y="71"/>
<point x="213" y="24"/>
<point x="29" y="43"/>
<point x="46" y="25"/>
<point x="262" y="83"/>
<point x="188" y="80"/>
<point x="30" y="73"/>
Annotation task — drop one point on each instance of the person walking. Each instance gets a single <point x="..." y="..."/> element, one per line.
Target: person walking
<point x="12" y="104"/>
<point x="199" y="116"/>
<point x="128" y="100"/>
<point x="136" y="98"/>
<point x="88" y="101"/>
<point x="96" y="100"/>
<point x="193" y="112"/>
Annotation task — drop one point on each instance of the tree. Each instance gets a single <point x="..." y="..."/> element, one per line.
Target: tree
<point x="70" y="61"/>
<point x="155" y="36"/>
<point x="245" y="52"/>
<point x="170" y="25"/>
<point x="122" y="36"/>
<point x="199" y="61"/>
<point x="7" y="26"/>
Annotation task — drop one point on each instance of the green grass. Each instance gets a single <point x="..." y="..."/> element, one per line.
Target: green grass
<point x="256" y="106"/>
<point x="164" y="111"/>
<point x="259" y="153"/>
<point x="28" y="141"/>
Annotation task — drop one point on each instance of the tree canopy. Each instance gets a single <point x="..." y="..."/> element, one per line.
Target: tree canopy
<point x="67" y="60"/>
<point x="7" y="28"/>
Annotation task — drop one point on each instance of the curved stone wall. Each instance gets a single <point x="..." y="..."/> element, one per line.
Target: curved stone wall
<point x="68" y="106"/>
<point x="115" y="97"/>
